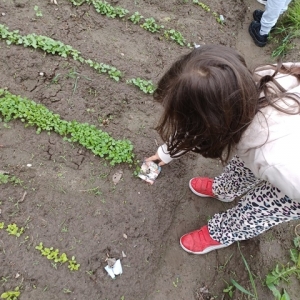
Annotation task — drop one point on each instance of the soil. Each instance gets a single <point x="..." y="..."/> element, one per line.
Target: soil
<point x="71" y="202"/>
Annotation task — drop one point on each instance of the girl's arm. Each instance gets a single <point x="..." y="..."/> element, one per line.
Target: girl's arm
<point x="162" y="155"/>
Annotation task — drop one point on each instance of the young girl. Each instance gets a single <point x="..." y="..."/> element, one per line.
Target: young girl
<point x="215" y="106"/>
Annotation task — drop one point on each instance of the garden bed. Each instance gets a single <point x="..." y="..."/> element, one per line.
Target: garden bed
<point x="63" y="194"/>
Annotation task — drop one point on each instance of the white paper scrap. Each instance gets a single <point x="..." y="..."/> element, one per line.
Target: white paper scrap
<point x="116" y="269"/>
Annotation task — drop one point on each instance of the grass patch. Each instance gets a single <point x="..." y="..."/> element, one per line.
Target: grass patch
<point x="287" y="29"/>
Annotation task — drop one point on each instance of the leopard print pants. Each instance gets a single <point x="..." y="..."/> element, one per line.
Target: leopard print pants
<point x="261" y="207"/>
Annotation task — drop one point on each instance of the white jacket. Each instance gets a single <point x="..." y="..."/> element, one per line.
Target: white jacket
<point x="270" y="147"/>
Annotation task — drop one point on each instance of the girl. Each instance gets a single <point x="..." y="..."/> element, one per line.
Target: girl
<point x="215" y="106"/>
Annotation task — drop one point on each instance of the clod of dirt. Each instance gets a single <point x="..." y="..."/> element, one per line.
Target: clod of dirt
<point x="117" y="176"/>
<point x="111" y="261"/>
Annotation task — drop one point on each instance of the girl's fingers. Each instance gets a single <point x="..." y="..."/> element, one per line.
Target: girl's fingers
<point x="152" y="158"/>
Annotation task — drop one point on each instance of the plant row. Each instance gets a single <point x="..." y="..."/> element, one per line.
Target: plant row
<point x="33" y="114"/>
<point x="149" y="24"/>
<point x="205" y="7"/>
<point x="55" y="255"/>
<point x="54" y="47"/>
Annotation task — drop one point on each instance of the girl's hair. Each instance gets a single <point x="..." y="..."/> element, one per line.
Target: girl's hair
<point x="209" y="98"/>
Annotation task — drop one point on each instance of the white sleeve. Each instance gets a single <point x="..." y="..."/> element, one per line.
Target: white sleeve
<point x="163" y="154"/>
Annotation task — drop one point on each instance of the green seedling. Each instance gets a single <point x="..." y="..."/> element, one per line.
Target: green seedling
<point x="11" y="295"/>
<point x="229" y="290"/>
<point x="104" y="8"/>
<point x="144" y="85"/>
<point x="73" y="266"/>
<point x="135" y="18"/>
<point x="94" y="139"/>
<point x="13" y="229"/>
<point x="202" y="5"/>
<point x="1" y="225"/>
<point x="5" y="178"/>
<point x="252" y="294"/>
<point x="57" y="257"/>
<point x="38" y="12"/>
<point x="175" y="36"/>
<point x="151" y="25"/>
<point x="77" y="2"/>
<point x="283" y="273"/>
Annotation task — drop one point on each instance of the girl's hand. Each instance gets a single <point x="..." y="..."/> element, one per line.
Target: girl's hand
<point x="155" y="158"/>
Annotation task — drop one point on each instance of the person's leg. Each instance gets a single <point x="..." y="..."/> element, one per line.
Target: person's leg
<point x="262" y="208"/>
<point x="235" y="181"/>
<point x="274" y="8"/>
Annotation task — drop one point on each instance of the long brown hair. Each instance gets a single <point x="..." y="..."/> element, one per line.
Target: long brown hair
<point x="209" y="98"/>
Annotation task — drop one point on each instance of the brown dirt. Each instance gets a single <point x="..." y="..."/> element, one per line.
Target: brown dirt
<point x="71" y="202"/>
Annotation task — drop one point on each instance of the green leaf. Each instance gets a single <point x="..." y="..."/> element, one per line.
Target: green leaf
<point x="242" y="289"/>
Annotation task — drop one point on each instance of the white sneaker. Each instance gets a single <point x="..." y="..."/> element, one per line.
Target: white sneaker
<point x="263" y="2"/>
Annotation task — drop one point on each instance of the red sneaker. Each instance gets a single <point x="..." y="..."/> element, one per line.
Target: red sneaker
<point x="199" y="242"/>
<point x="202" y="186"/>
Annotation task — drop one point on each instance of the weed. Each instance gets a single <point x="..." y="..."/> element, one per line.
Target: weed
<point x="1" y="225"/>
<point x="151" y="25"/>
<point x="135" y="18"/>
<point x="283" y="273"/>
<point x="144" y="85"/>
<point x="241" y="288"/>
<point x="38" y="12"/>
<point x="229" y="289"/>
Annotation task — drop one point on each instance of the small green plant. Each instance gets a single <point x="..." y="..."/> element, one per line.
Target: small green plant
<point x="13" y="229"/>
<point x="252" y="294"/>
<point x="135" y="18"/>
<point x="1" y="225"/>
<point x="146" y="86"/>
<point x="73" y="265"/>
<point x="38" y="12"/>
<point x="204" y="6"/>
<point x="283" y="273"/>
<point x="55" y="255"/>
<point x="11" y="295"/>
<point x="5" y="178"/>
<point x="104" y="8"/>
<point x="151" y="25"/>
<point x="229" y="290"/>
<point x="175" y="36"/>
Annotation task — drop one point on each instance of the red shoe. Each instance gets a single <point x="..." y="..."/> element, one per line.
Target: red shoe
<point x="199" y="242"/>
<point x="202" y="186"/>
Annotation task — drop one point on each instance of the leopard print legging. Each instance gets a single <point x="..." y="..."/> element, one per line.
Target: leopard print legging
<point x="262" y="206"/>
